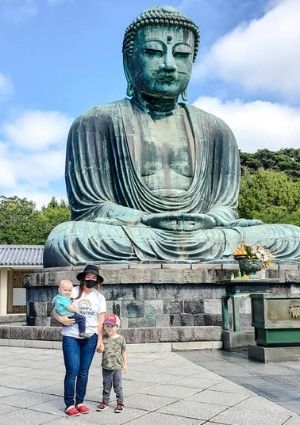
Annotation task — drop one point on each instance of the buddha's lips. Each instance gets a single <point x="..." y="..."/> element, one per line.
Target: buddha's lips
<point x="166" y="79"/>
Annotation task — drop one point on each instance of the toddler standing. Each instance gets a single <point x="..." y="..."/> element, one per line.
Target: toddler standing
<point x="114" y="361"/>
<point x="63" y="305"/>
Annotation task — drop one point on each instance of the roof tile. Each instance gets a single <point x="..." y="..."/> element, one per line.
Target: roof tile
<point x="21" y="255"/>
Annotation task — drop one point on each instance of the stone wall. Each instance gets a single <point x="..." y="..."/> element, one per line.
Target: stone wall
<point x="158" y="302"/>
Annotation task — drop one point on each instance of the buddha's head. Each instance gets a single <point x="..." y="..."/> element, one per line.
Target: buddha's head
<point x="159" y="49"/>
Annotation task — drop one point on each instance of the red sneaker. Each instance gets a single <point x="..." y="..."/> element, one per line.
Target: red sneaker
<point x="72" y="411"/>
<point x="82" y="409"/>
<point x="119" y="408"/>
<point x="102" y="406"/>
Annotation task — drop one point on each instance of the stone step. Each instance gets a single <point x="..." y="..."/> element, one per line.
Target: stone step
<point x="10" y="319"/>
<point x="132" y="335"/>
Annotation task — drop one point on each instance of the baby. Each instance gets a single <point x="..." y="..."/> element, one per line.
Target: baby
<point x="63" y="305"/>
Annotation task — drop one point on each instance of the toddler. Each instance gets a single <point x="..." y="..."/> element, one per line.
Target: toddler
<point x="63" y="305"/>
<point x="114" y="361"/>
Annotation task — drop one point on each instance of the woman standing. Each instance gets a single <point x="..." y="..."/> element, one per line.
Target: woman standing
<point x="78" y="353"/>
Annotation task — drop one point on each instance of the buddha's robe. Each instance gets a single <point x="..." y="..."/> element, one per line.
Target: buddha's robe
<point x="108" y="197"/>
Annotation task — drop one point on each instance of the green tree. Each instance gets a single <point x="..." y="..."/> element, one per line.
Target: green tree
<point x="270" y="196"/>
<point x="53" y="214"/>
<point x="19" y="223"/>
<point x="287" y="160"/>
<point x="22" y="224"/>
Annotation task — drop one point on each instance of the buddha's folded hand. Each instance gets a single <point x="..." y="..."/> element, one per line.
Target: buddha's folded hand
<point x="179" y="221"/>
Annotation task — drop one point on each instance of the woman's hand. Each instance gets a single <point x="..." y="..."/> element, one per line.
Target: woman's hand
<point x="66" y="321"/>
<point x="63" y="320"/>
<point x="179" y="221"/>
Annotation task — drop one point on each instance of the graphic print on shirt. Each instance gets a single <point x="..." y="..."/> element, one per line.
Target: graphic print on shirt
<point x="85" y="308"/>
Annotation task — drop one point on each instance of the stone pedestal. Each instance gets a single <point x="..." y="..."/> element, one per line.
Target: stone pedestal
<point x="273" y="354"/>
<point x="233" y="340"/>
<point x="156" y="302"/>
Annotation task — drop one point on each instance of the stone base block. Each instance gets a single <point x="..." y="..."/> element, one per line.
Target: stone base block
<point x="197" y="345"/>
<point x="13" y="318"/>
<point x="159" y="347"/>
<point x="40" y="333"/>
<point x="132" y="335"/>
<point x="172" y="334"/>
<point x="273" y="354"/>
<point x="30" y="343"/>
<point x="232" y="340"/>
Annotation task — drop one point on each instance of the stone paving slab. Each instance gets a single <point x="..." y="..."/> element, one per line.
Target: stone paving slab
<point x="230" y="387"/>
<point x="163" y="419"/>
<point x="25" y="417"/>
<point x="26" y="399"/>
<point x="148" y="402"/>
<point x="261" y="404"/>
<point x="293" y="421"/>
<point x="278" y="382"/>
<point x="160" y="388"/>
<point x="239" y="416"/>
<point x="217" y="397"/>
<point x="192" y="409"/>
<point x="169" y="390"/>
<point x="53" y="405"/>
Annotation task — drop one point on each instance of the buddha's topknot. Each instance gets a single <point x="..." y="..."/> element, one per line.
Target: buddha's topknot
<point x="156" y="16"/>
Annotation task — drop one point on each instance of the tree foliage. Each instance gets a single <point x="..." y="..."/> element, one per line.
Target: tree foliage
<point x="270" y="196"/>
<point x="286" y="160"/>
<point x="21" y="223"/>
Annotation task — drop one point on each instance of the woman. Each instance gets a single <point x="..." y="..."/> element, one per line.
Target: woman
<point x="78" y="353"/>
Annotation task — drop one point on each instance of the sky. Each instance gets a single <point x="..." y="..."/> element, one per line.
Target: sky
<point x="61" y="57"/>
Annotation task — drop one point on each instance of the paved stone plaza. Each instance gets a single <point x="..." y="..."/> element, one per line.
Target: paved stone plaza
<point x="161" y="387"/>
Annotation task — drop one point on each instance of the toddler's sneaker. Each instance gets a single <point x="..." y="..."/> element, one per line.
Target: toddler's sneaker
<point x="119" y="408"/>
<point x="83" y="335"/>
<point x="102" y="406"/>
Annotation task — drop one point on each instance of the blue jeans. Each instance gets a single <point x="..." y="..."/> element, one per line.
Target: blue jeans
<point x="80" y="319"/>
<point x="78" y="356"/>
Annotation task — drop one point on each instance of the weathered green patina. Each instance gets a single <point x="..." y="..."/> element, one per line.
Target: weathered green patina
<point x="276" y="319"/>
<point x="152" y="179"/>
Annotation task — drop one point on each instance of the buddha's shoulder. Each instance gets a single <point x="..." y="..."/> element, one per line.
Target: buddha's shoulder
<point x="210" y="119"/>
<point x="102" y="112"/>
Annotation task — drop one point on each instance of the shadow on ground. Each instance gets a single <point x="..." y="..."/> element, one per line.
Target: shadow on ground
<point x="278" y="382"/>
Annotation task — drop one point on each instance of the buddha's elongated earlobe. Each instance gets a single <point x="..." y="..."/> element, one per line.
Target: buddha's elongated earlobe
<point x="130" y="86"/>
<point x="184" y="95"/>
<point x="129" y="90"/>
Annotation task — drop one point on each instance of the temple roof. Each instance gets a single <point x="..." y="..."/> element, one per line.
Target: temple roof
<point x="21" y="255"/>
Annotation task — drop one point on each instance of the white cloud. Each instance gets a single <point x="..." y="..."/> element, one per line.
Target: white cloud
<point x="7" y="176"/>
<point x="37" y="129"/>
<point x="17" y="11"/>
<point x="41" y="169"/>
<point x="260" y="55"/>
<point x="6" y="86"/>
<point x="32" y="155"/>
<point x="40" y="198"/>
<point x="258" y="124"/>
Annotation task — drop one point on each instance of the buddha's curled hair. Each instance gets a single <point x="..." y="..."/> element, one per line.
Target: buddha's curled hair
<point x="159" y="15"/>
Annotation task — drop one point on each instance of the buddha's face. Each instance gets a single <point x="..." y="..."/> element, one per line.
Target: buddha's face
<point x="162" y="60"/>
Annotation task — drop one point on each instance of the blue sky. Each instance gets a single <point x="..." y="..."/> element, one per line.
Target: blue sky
<point x="62" y="57"/>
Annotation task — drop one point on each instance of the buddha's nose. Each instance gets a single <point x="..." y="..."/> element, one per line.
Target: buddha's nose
<point x="169" y="62"/>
